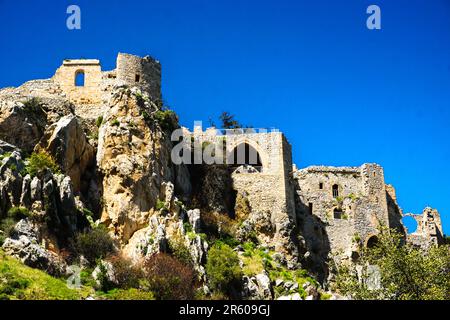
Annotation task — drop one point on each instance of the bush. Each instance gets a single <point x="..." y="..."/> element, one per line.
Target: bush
<point x="37" y="162"/>
<point x="405" y="272"/>
<point x="33" y="104"/>
<point x="93" y="245"/>
<point x="166" y="119"/>
<point x="115" y="122"/>
<point x="169" y="279"/>
<point x="18" y="213"/>
<point x="126" y="274"/>
<point x="223" y="268"/>
<point x="6" y="229"/>
<point x="179" y="250"/>
<point x="99" y="121"/>
<point x="161" y="205"/>
<point x="7" y="224"/>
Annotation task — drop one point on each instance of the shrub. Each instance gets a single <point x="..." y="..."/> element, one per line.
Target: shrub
<point x="126" y="274"/>
<point x="18" y="213"/>
<point x="104" y="284"/>
<point x="94" y="244"/>
<point x="179" y="250"/>
<point x="222" y="268"/>
<point x="37" y="162"/>
<point x="168" y="278"/>
<point x="6" y="229"/>
<point x="99" y="121"/>
<point x="33" y="105"/>
<point x="405" y="272"/>
<point x="166" y="119"/>
<point x="161" y="205"/>
<point x="115" y="122"/>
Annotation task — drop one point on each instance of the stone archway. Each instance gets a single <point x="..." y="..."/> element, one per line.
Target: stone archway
<point x="245" y="152"/>
<point x="372" y="241"/>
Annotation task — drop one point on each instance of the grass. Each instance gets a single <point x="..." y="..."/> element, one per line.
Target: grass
<point x="18" y="281"/>
<point x="127" y="294"/>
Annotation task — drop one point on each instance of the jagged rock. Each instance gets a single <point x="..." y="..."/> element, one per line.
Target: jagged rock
<point x="198" y="249"/>
<point x="295" y="296"/>
<point x="20" y="124"/>
<point x="279" y="282"/>
<point x="6" y="147"/>
<point x="35" y="189"/>
<point x="24" y="245"/>
<point x="194" y="219"/>
<point x="312" y="292"/>
<point x="134" y="157"/>
<point x="257" y="287"/>
<point x="10" y="181"/>
<point x="25" y="197"/>
<point x="263" y="281"/>
<point x="212" y="188"/>
<point x="68" y="144"/>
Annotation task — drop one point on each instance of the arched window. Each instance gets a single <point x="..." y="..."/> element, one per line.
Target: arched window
<point x="335" y="190"/>
<point x="79" y="78"/>
<point x="372" y="242"/>
<point x="245" y="154"/>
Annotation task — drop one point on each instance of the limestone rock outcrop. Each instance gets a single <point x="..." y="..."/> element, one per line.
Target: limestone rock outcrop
<point x="134" y="158"/>
<point x="22" y="124"/>
<point x="67" y="142"/>
<point x="24" y="245"/>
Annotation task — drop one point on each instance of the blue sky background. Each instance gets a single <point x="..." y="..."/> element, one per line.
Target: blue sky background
<point x="342" y="94"/>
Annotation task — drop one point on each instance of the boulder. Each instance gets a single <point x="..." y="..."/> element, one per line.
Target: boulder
<point x="67" y="143"/>
<point x="24" y="245"/>
<point x="22" y="124"/>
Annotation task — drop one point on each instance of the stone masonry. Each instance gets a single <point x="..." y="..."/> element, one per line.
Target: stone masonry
<point x="332" y="208"/>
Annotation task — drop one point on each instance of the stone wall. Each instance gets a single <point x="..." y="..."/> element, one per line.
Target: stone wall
<point x="349" y="203"/>
<point x="429" y="229"/>
<point x="144" y="73"/>
<point x="269" y="189"/>
<point x="90" y="92"/>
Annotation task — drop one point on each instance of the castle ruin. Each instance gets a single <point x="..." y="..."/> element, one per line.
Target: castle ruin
<point x="332" y="208"/>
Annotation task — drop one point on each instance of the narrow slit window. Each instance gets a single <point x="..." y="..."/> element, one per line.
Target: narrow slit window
<point x="310" y="208"/>
<point x="137" y="78"/>
<point x="321" y="185"/>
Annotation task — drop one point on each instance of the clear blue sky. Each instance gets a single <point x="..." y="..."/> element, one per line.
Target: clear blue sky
<point x="342" y="94"/>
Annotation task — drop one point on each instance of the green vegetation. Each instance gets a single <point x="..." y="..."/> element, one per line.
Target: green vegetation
<point x="228" y="121"/>
<point x="40" y="161"/>
<point x="169" y="279"/>
<point x="166" y="119"/>
<point x="99" y="121"/>
<point x="161" y="206"/>
<point x="127" y="294"/>
<point x="353" y="196"/>
<point x="115" y="122"/>
<point x="93" y="245"/>
<point x="406" y="272"/>
<point x="223" y="268"/>
<point x="8" y="223"/>
<point x="18" y="281"/>
<point x="145" y="115"/>
<point x="18" y="213"/>
<point x="5" y="155"/>
<point x="179" y="250"/>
